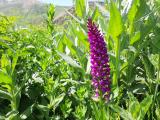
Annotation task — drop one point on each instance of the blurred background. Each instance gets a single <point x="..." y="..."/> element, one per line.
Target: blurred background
<point x="34" y="11"/>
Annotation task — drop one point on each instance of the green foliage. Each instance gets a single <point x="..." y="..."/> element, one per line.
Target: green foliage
<point x="50" y="14"/>
<point x="81" y="8"/>
<point x="115" y="30"/>
<point x="45" y="70"/>
<point x="115" y="23"/>
<point x="136" y="110"/>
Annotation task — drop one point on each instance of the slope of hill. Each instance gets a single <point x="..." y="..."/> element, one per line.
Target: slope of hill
<point x="30" y="11"/>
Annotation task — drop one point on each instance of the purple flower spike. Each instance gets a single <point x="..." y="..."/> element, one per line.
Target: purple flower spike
<point x="99" y="59"/>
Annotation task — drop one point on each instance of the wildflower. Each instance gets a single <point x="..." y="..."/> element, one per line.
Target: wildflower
<point x="99" y="59"/>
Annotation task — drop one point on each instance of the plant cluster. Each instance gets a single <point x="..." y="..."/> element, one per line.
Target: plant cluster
<point x="47" y="72"/>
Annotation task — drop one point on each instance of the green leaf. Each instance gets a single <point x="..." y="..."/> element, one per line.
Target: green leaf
<point x="69" y="44"/>
<point x="80" y="111"/>
<point x="134" y="108"/>
<point x="60" y="44"/>
<point x="154" y="58"/>
<point x="4" y="44"/>
<point x="27" y="112"/>
<point x="80" y="7"/>
<point x="156" y="43"/>
<point x="158" y="113"/>
<point x="69" y="60"/>
<point x="132" y="14"/>
<point x="123" y="113"/>
<point x="96" y="112"/>
<point x="5" y="38"/>
<point x="2" y="117"/>
<point x="12" y="115"/>
<point x="14" y="62"/>
<point x="135" y="38"/>
<point x="4" y="78"/>
<point x="95" y="14"/>
<point x="50" y="13"/>
<point x="5" y="62"/>
<point x="42" y="107"/>
<point x="88" y="68"/>
<point x="133" y="10"/>
<point x="56" y="101"/>
<point x="115" y="22"/>
<point x="145" y="105"/>
<point x="149" y="67"/>
<point x="66" y="108"/>
<point x="5" y="95"/>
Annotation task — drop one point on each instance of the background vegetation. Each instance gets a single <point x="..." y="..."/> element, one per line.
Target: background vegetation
<point x="45" y="69"/>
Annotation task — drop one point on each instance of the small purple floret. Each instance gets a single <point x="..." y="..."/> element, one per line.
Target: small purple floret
<point x="99" y="59"/>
